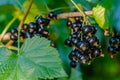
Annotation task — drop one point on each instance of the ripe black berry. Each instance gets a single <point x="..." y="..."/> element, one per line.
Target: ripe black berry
<point x="45" y="33"/>
<point x="25" y="27"/>
<point x="82" y="45"/>
<point x="40" y="30"/>
<point x="73" y="54"/>
<point x="32" y="27"/>
<point x="87" y="30"/>
<point x="112" y="49"/>
<point x="69" y="23"/>
<point x="114" y="41"/>
<point x="52" y="15"/>
<point x="73" y="64"/>
<point x="28" y="35"/>
<point x="93" y="41"/>
<point x="13" y="37"/>
<point x="14" y="31"/>
<point x="76" y="26"/>
<point x="96" y="52"/>
<point x="79" y="19"/>
<point x="42" y="21"/>
<point x="74" y="40"/>
<point x="68" y="42"/>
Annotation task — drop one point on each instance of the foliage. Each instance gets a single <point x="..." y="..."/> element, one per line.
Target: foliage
<point x="39" y="60"/>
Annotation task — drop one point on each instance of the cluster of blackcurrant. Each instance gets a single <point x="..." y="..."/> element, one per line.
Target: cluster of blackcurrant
<point x="36" y="28"/>
<point x="83" y="40"/>
<point x="114" y="45"/>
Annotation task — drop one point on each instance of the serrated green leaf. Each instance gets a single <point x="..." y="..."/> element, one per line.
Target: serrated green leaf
<point x="36" y="60"/>
<point x="100" y="17"/>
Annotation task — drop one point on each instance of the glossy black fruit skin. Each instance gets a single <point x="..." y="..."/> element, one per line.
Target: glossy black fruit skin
<point x="14" y="31"/>
<point x="32" y="27"/>
<point x="112" y="49"/>
<point x="73" y="54"/>
<point x="52" y="15"/>
<point x="40" y="29"/>
<point x="89" y="30"/>
<point x="28" y="35"/>
<point x="96" y="52"/>
<point x="83" y="57"/>
<point x="79" y="19"/>
<point x="92" y="40"/>
<point x="73" y="64"/>
<point x="25" y="27"/>
<point x="82" y="45"/>
<point x="42" y="21"/>
<point x="45" y="33"/>
<point x="13" y="37"/>
<point x="75" y="34"/>
<point x="76" y="26"/>
<point x="68" y="42"/>
<point x="74" y="40"/>
<point x="69" y="23"/>
<point x="114" y="41"/>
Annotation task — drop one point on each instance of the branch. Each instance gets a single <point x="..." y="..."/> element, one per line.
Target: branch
<point x="59" y="16"/>
<point x="73" y="14"/>
<point x="22" y="21"/>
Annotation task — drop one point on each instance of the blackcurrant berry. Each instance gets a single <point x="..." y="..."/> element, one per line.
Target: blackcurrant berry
<point x="96" y="52"/>
<point x="14" y="31"/>
<point x="52" y="15"/>
<point x="73" y="64"/>
<point x="82" y="45"/>
<point x="114" y="41"/>
<point x="68" y="42"/>
<point x="112" y="49"/>
<point x="28" y="35"/>
<point x="69" y="23"/>
<point x="73" y="54"/>
<point x="25" y="27"/>
<point x="83" y="58"/>
<point x="42" y="21"/>
<point x="32" y="27"/>
<point x="93" y="41"/>
<point x="77" y="26"/>
<point x="87" y="30"/>
<point x="94" y="29"/>
<point x="40" y="29"/>
<point x="74" y="40"/>
<point x="79" y="19"/>
<point x="13" y="37"/>
<point x="75" y="34"/>
<point x="22" y="34"/>
<point x="45" y="33"/>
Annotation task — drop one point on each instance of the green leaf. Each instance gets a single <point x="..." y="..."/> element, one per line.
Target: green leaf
<point x="103" y="14"/>
<point x="75" y="75"/>
<point x="36" y="60"/>
<point x="100" y="17"/>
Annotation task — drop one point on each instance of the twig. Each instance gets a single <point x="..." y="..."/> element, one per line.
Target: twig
<point x="22" y="21"/>
<point x="59" y="16"/>
<point x="73" y="14"/>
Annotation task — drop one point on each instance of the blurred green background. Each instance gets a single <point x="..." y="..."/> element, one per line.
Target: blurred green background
<point x="102" y="68"/>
